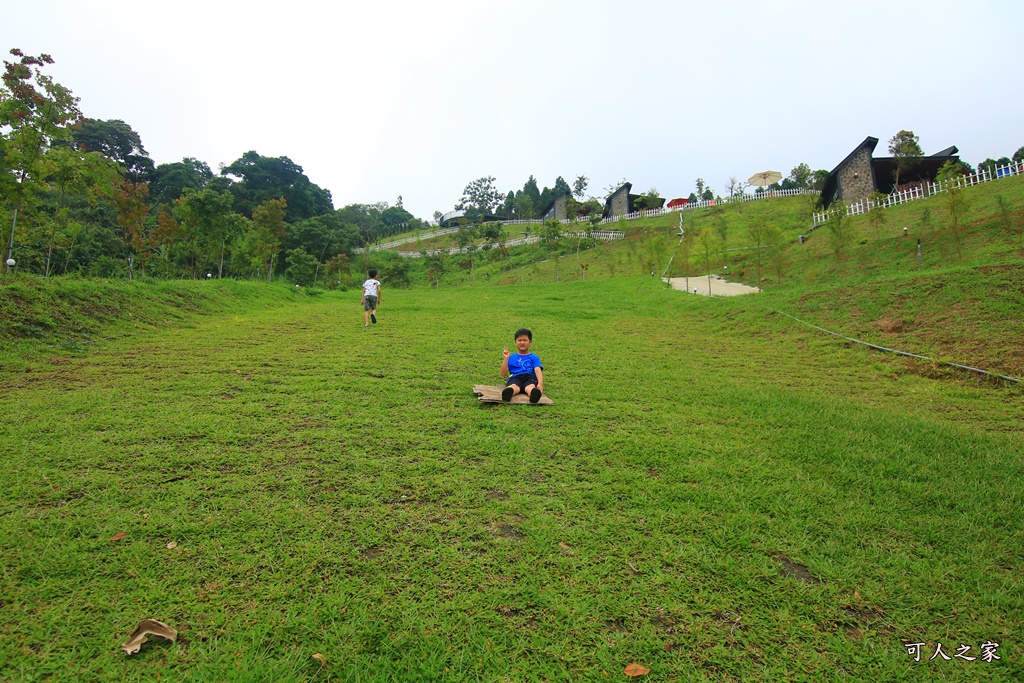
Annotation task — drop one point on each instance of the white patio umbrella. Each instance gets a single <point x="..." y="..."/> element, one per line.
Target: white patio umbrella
<point x="765" y="178"/>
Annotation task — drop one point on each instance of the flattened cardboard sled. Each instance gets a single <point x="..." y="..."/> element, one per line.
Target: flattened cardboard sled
<point x="489" y="394"/>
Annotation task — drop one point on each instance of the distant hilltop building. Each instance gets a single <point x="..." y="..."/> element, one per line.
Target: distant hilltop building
<point x="621" y="202"/>
<point x="860" y="175"/>
<point x="558" y="208"/>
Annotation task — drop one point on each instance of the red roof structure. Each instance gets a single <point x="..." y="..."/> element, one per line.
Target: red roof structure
<point x="678" y="201"/>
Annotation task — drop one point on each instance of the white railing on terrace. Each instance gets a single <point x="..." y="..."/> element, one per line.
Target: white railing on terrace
<point x="920" y="191"/>
<point x="405" y="240"/>
<point x="606" y="235"/>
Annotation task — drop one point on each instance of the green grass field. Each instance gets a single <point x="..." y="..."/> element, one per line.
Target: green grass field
<point x="717" y="494"/>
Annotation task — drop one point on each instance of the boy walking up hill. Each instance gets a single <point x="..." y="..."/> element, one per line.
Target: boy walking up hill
<point x="371" y="297"/>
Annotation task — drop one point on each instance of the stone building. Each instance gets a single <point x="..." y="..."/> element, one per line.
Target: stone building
<point x="558" y="208"/>
<point x="860" y="175"/>
<point x="621" y="202"/>
<point x="618" y="203"/>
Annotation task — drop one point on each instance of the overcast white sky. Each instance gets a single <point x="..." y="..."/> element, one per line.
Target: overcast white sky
<point x="382" y="98"/>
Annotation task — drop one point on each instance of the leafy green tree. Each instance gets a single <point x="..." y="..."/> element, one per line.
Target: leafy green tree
<point x="492" y="233"/>
<point x="906" y="149"/>
<point x="131" y="199"/>
<point x="322" y="237"/>
<point x="876" y="216"/>
<point x="71" y="172"/>
<point x="509" y="205"/>
<point x="395" y="218"/>
<point x="990" y="165"/>
<point x="532" y="191"/>
<point x="467" y="233"/>
<point x="269" y="232"/>
<point x="480" y="198"/>
<point x="116" y="140"/>
<point x="579" y="187"/>
<point x="552" y="233"/>
<point x="205" y="218"/>
<point x="801" y="175"/>
<point x="1018" y="156"/>
<point x="757" y="234"/>
<point x="170" y="180"/>
<point x="838" y="225"/>
<point x="366" y="217"/>
<point x="525" y="208"/>
<point x="35" y="114"/>
<point x="302" y="267"/>
<point x="818" y="179"/>
<point x="955" y="200"/>
<point x="263" y="178"/>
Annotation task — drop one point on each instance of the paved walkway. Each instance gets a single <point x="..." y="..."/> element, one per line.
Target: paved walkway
<point x="719" y="287"/>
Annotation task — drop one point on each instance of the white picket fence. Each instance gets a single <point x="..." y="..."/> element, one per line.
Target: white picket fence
<point x="921" y="191"/>
<point x="704" y="203"/>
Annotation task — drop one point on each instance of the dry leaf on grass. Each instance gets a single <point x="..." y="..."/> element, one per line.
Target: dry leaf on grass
<point x="636" y="670"/>
<point x="320" y="658"/>
<point x="172" y="545"/>
<point x="118" y="536"/>
<point x="148" y="627"/>
<point x="564" y="546"/>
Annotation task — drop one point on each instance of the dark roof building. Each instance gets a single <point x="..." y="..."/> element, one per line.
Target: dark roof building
<point x="621" y="202"/>
<point x="860" y="175"/>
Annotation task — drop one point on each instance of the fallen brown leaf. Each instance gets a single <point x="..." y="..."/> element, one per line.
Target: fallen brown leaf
<point x="856" y="595"/>
<point x="320" y="658"/>
<point x="148" y="627"/>
<point x="564" y="546"/>
<point x="636" y="670"/>
<point x="118" y="536"/>
<point x="172" y="545"/>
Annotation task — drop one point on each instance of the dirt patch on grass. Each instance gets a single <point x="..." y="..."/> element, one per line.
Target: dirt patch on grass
<point x="788" y="567"/>
<point x="890" y="325"/>
<point x="496" y="494"/>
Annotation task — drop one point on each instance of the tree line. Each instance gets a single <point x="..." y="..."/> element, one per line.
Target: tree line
<point x="82" y="196"/>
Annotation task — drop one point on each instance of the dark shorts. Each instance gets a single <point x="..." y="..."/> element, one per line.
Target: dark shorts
<point x="522" y="381"/>
<point x="369" y="303"/>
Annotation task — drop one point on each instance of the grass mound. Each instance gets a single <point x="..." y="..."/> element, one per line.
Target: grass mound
<point x="39" y="317"/>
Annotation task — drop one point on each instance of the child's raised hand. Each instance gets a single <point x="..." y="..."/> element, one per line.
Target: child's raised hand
<point x="505" y="353"/>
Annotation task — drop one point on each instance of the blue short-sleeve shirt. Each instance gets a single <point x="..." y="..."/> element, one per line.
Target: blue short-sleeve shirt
<point x="519" y="364"/>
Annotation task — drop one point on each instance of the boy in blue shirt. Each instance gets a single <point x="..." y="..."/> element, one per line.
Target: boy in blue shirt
<point x="524" y="369"/>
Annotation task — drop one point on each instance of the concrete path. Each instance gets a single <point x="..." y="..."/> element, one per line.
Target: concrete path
<point x="719" y="287"/>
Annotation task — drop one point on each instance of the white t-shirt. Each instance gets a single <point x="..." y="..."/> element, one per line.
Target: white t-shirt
<point x="371" y="287"/>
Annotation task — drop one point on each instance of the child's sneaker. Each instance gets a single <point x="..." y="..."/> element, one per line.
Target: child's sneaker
<point x="373" y="318"/>
<point x="535" y="395"/>
<point x="506" y="394"/>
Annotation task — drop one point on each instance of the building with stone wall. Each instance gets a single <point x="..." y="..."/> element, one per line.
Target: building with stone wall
<point x="618" y="203"/>
<point x="860" y="175"/>
<point x="558" y="209"/>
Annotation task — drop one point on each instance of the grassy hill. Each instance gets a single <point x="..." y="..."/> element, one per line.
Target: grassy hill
<point x="718" y="493"/>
